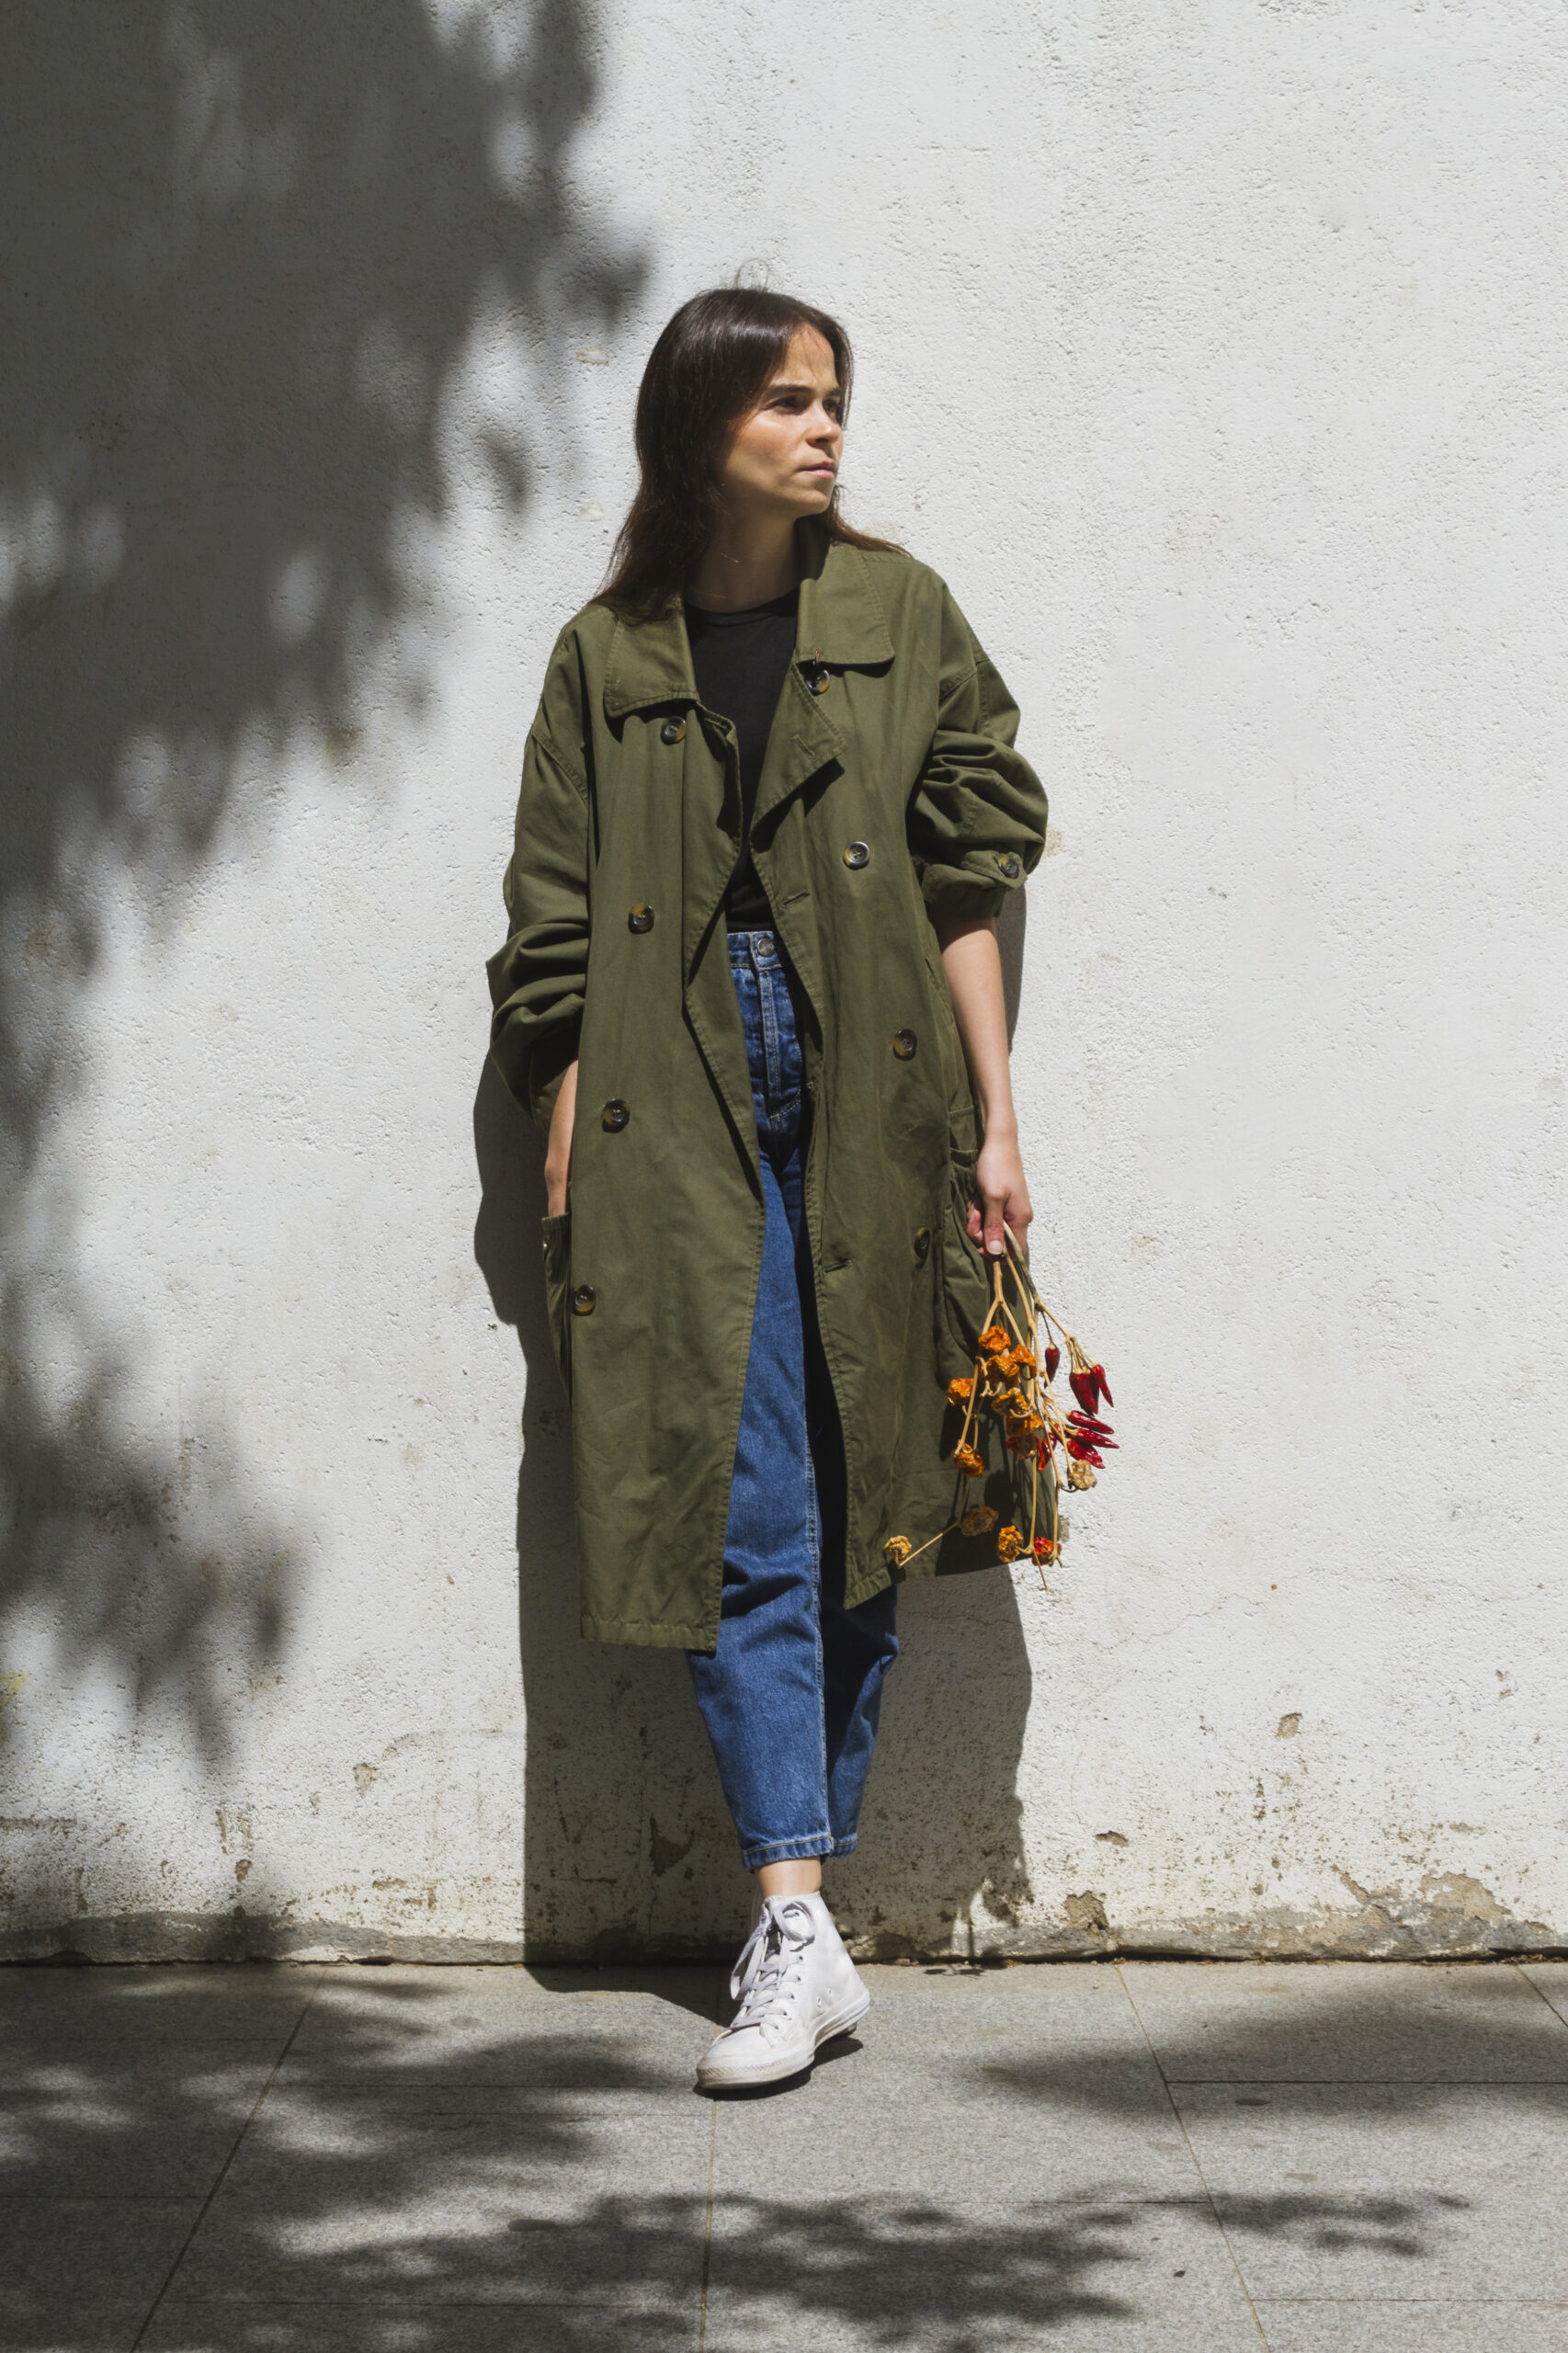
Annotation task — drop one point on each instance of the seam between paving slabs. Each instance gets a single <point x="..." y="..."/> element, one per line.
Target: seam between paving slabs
<point x="1196" y="2167"/>
<point x="708" y="2213"/>
<point x="223" y="2168"/>
<point x="1520" y="1971"/>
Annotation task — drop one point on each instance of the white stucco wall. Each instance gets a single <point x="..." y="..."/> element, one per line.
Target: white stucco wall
<point x="1214" y="353"/>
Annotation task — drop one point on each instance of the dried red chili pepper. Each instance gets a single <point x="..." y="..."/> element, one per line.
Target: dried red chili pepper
<point x="1101" y="1384"/>
<point x="1053" y="1358"/>
<point x="1081" y="1451"/>
<point x="1081" y="1384"/>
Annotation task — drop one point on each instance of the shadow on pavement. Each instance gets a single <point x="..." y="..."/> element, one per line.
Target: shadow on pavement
<point x="455" y="2159"/>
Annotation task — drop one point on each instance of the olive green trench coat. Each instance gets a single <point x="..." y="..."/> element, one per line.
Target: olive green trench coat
<point x="890" y="787"/>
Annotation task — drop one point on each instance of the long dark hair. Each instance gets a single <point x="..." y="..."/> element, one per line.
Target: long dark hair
<point x="710" y="366"/>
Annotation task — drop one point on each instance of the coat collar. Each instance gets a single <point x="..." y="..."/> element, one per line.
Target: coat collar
<point x="841" y="622"/>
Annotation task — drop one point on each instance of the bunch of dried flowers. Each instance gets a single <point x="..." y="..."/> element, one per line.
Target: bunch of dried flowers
<point x="1012" y="1379"/>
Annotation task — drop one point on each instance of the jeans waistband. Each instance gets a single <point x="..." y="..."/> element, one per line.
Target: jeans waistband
<point x="756" y="947"/>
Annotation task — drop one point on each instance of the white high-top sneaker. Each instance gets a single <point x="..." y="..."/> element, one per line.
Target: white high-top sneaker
<point x="797" y="1987"/>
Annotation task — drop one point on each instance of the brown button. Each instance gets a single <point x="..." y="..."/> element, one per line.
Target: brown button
<point x="583" y="1300"/>
<point x="856" y="854"/>
<point x="903" y="1043"/>
<point x="923" y="1243"/>
<point x="614" y="1116"/>
<point x="640" y="918"/>
<point x="672" y="731"/>
<point x="1010" y="865"/>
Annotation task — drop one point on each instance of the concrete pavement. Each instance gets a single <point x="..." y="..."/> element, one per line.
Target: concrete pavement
<point x="1346" y="2158"/>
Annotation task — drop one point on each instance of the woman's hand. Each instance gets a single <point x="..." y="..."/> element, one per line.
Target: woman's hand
<point x="557" y="1150"/>
<point x="1002" y="1196"/>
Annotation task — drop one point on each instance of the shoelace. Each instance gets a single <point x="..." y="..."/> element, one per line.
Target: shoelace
<point x="769" y="1958"/>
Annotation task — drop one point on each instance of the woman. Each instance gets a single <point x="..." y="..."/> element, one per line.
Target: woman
<point x="770" y="806"/>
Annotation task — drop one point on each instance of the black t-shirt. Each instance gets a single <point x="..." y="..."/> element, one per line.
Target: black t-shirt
<point x="740" y="662"/>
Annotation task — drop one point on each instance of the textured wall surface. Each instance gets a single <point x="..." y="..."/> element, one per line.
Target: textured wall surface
<point x="1215" y="354"/>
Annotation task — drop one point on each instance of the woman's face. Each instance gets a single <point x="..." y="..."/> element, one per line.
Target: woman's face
<point x="784" y="456"/>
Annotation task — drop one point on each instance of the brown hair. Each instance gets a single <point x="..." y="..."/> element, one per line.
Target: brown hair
<point x="710" y="366"/>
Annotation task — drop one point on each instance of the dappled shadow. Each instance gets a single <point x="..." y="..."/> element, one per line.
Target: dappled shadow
<point x="456" y="2156"/>
<point x="246" y="249"/>
<point x="1437" y="2030"/>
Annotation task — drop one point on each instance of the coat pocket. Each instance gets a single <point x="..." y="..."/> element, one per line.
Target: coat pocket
<point x="557" y="1285"/>
<point x="964" y="1286"/>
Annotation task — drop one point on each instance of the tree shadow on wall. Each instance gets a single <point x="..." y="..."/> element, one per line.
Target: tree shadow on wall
<point x="245" y="248"/>
<point x="628" y="1849"/>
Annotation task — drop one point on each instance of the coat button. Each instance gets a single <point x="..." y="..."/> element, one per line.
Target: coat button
<point x="923" y="1243"/>
<point x="640" y="918"/>
<point x="856" y="854"/>
<point x="583" y="1300"/>
<point x="672" y="731"/>
<point x="1010" y="865"/>
<point x="903" y="1043"/>
<point x="614" y="1116"/>
<point x="817" y="676"/>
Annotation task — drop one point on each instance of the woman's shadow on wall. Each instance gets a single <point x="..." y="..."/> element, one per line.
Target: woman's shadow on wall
<point x="628" y="1851"/>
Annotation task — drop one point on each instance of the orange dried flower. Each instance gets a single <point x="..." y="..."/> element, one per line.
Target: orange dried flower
<point x="979" y="1520"/>
<point x="1009" y="1544"/>
<point x="1044" y="1550"/>
<point x="960" y="1391"/>
<point x="969" y="1462"/>
<point x="896" y="1550"/>
<point x="994" y="1341"/>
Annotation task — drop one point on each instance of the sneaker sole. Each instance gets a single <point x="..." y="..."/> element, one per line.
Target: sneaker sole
<point x="742" y="2079"/>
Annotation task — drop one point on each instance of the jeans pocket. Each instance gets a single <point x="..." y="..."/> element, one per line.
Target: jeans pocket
<point x="557" y="1233"/>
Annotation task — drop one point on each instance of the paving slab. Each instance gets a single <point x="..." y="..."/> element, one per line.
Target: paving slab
<point x="1418" y="2327"/>
<point x="111" y="2119"/>
<point x="434" y="2328"/>
<point x="484" y="2139"/>
<point x="511" y="2025"/>
<point x="475" y="2235"/>
<point x="1348" y="2021"/>
<point x="1372" y="2191"/>
<point x="81" y="2272"/>
<point x="1550" y="1979"/>
<point x="69" y="2327"/>
<point x="1013" y="2084"/>
<point x="242" y="2002"/>
<point x="940" y="2273"/>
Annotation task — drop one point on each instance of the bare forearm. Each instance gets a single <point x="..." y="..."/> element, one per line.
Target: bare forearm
<point x="973" y="967"/>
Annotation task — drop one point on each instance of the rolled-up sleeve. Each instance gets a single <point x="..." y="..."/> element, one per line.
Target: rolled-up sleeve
<point x="539" y="979"/>
<point x="976" y="817"/>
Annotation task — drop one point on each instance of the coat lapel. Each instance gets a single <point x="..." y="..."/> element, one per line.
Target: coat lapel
<point x="841" y="626"/>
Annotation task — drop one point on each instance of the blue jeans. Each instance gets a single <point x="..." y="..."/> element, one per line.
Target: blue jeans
<point x="791" y="1696"/>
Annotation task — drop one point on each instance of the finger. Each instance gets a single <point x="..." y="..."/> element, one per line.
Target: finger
<point x="995" y="1240"/>
<point x="973" y="1222"/>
